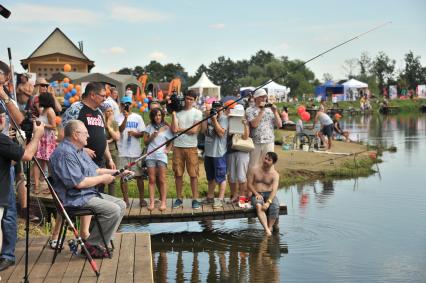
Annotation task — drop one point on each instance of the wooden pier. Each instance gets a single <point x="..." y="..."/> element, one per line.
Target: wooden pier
<point x="137" y="214"/>
<point x="131" y="262"/>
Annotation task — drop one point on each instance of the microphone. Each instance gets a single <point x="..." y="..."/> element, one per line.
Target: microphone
<point x="4" y="12"/>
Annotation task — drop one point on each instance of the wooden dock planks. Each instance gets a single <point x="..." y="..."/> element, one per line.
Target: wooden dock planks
<point x="131" y="262"/>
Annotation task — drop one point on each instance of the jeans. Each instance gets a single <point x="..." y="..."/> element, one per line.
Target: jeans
<point x="9" y="223"/>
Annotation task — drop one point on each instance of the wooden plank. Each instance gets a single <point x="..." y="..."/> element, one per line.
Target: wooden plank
<point x="135" y="208"/>
<point x="109" y="266"/>
<point x="57" y="270"/>
<point x="35" y="249"/>
<point x="74" y="268"/>
<point x="187" y="210"/>
<point x="44" y="266"/>
<point x="126" y="261"/>
<point x="228" y="207"/>
<point x="143" y="258"/>
<point x="19" y="255"/>
<point x="88" y="275"/>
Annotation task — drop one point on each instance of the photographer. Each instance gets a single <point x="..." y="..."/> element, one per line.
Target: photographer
<point x="11" y="151"/>
<point x="262" y="118"/>
<point x="215" y="130"/>
<point x="185" y="148"/>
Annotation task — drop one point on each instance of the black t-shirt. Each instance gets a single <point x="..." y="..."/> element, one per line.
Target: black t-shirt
<point x="8" y="151"/>
<point x="94" y="122"/>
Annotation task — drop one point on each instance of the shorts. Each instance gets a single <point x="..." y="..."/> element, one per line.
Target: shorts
<point x="185" y="157"/>
<point x="328" y="130"/>
<point x="155" y="163"/>
<point x="137" y="168"/>
<point x="237" y="166"/>
<point x="273" y="211"/>
<point x="215" y="168"/>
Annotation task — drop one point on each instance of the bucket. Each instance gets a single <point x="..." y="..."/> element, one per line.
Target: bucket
<point x="305" y="147"/>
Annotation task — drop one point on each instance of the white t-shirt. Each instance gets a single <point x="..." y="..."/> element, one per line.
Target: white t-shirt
<point x="187" y="118"/>
<point x="129" y="146"/>
<point x="164" y="135"/>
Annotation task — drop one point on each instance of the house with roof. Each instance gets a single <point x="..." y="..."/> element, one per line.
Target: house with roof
<point x="53" y="53"/>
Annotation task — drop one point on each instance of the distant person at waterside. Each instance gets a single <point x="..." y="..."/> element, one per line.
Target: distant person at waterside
<point x="263" y="182"/>
<point x="262" y="122"/>
<point x="185" y="151"/>
<point x="284" y="117"/>
<point x="215" y="130"/>
<point x="131" y="126"/>
<point x="326" y="127"/>
<point x="339" y="133"/>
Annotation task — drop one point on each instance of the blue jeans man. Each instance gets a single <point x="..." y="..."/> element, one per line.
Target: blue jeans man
<point x="9" y="227"/>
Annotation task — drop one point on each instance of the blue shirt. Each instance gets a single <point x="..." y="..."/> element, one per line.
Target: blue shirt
<point x="69" y="166"/>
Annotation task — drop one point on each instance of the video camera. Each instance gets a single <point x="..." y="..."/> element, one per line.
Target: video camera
<point x="176" y="103"/>
<point x="27" y="124"/>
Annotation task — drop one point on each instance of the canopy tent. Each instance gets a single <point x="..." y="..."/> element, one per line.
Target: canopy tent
<point x="205" y="87"/>
<point x="117" y="80"/>
<point x="351" y="89"/>
<point x="329" y="88"/>
<point x="276" y="91"/>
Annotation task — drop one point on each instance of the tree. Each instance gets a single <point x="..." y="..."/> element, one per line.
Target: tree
<point x="327" y="77"/>
<point x="413" y="73"/>
<point x="383" y="68"/>
<point x="350" y="67"/>
<point x="365" y="66"/>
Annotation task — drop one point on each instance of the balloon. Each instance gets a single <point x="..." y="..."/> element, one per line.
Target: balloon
<point x="146" y="109"/>
<point x="67" y="96"/>
<point x="73" y="91"/>
<point x="142" y="109"/>
<point x="145" y="105"/>
<point x="146" y="100"/>
<point x="65" y="85"/>
<point x="301" y="109"/>
<point x="67" y="103"/>
<point x="78" y="87"/>
<point x="58" y="120"/>
<point x="305" y="116"/>
<point x="139" y="105"/>
<point x="67" y="67"/>
<point x="66" y="80"/>
<point x="72" y="100"/>
<point x="70" y="86"/>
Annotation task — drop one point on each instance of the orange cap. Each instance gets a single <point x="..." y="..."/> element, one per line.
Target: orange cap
<point x="337" y="116"/>
<point x="230" y="104"/>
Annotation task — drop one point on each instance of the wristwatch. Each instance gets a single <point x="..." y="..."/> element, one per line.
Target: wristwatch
<point x="6" y="100"/>
<point x="269" y="200"/>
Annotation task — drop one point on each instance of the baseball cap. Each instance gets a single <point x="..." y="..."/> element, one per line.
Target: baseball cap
<point x="126" y="99"/>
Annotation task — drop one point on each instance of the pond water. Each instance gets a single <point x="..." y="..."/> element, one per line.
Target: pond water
<point x="361" y="230"/>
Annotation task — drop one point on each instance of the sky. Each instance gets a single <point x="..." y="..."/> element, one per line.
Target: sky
<point x="119" y="34"/>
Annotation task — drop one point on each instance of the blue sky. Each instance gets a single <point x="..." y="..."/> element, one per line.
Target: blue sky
<point x="120" y="34"/>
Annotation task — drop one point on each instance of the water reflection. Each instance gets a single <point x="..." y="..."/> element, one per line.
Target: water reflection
<point x="212" y="257"/>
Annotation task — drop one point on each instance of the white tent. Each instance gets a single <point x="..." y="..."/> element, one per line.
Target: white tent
<point x="205" y="87"/>
<point x="349" y="86"/>
<point x="276" y="91"/>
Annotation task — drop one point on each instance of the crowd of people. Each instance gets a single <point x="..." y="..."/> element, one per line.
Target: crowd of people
<point x="83" y="148"/>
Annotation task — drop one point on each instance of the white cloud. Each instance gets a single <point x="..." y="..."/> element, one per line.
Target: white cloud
<point x="114" y="50"/>
<point x="217" y="26"/>
<point x="157" y="55"/>
<point x="284" y="46"/>
<point x="45" y="13"/>
<point x="132" y="14"/>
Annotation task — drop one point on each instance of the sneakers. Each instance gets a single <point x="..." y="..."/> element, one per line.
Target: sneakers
<point x="96" y="251"/>
<point x="208" y="200"/>
<point x="217" y="203"/>
<point x="244" y="202"/>
<point x="196" y="204"/>
<point x="178" y="203"/>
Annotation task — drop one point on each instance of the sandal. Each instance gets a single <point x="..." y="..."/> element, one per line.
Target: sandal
<point x="143" y="203"/>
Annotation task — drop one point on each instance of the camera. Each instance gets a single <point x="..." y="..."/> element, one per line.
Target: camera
<point x="176" y="103"/>
<point x="215" y="107"/>
<point x="27" y="123"/>
<point x="127" y="107"/>
<point x="268" y="105"/>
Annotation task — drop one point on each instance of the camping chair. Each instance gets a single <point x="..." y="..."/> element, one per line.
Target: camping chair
<point x="72" y="213"/>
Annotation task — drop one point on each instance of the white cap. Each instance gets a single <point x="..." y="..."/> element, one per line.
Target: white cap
<point x="260" y="92"/>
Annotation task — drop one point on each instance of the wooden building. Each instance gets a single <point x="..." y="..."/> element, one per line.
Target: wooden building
<point x="53" y="53"/>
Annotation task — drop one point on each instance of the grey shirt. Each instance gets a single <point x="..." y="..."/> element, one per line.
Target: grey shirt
<point x="68" y="167"/>
<point x="215" y="146"/>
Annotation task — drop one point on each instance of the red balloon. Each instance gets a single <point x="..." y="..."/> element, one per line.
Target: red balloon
<point x="301" y="109"/>
<point x="305" y="116"/>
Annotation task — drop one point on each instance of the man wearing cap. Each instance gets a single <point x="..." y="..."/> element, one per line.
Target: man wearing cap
<point x="262" y="121"/>
<point x="338" y="130"/>
<point x="89" y="113"/>
<point x="131" y="126"/>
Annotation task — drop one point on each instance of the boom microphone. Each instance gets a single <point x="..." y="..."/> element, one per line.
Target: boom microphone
<point x="4" y="12"/>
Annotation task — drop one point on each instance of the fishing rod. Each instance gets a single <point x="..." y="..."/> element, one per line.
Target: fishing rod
<point x="246" y="95"/>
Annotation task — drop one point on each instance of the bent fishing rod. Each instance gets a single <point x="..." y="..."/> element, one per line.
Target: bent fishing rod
<point x="246" y="95"/>
<point x="56" y="200"/>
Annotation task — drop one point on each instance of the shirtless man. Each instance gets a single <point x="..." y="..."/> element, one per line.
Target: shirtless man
<point x="263" y="183"/>
<point x="24" y="91"/>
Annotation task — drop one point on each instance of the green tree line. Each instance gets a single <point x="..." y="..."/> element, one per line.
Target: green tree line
<point x="378" y="71"/>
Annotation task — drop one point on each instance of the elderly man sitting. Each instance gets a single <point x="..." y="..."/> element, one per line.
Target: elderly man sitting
<point x="76" y="176"/>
